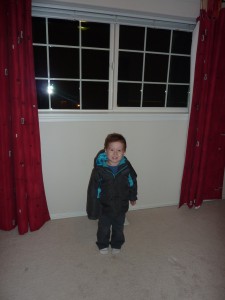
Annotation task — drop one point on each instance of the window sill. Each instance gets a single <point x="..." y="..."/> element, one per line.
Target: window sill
<point x="107" y="116"/>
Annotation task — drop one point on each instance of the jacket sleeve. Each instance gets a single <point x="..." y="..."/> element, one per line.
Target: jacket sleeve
<point x="133" y="183"/>
<point x="93" y="204"/>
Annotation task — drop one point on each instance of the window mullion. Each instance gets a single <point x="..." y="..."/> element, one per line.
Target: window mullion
<point x="116" y="61"/>
<point x="48" y="62"/>
<point x="143" y="68"/>
<point x="111" y="67"/>
<point x="168" y="70"/>
<point x="80" y="66"/>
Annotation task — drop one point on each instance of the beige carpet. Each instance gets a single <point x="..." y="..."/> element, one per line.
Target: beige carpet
<point x="169" y="253"/>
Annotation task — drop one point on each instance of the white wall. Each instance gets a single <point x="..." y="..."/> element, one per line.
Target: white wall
<point x="156" y="145"/>
<point x="155" y="148"/>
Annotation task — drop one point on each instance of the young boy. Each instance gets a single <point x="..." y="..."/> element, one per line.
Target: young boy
<point x="112" y="185"/>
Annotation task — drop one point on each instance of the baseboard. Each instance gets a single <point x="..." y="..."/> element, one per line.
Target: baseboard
<point x="82" y="213"/>
<point x="67" y="215"/>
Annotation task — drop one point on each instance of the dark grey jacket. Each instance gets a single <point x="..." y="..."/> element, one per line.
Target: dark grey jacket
<point x="110" y="193"/>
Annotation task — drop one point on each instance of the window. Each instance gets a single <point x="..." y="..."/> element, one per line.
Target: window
<point x="71" y="63"/>
<point x="153" y="67"/>
<point x="90" y="65"/>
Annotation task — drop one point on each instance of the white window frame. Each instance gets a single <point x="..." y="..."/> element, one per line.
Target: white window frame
<point x="41" y="8"/>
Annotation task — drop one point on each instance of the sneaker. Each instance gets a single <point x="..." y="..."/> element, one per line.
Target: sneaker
<point x="115" y="251"/>
<point x="104" y="251"/>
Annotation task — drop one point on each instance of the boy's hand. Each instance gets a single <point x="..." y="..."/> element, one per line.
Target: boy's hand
<point x="132" y="202"/>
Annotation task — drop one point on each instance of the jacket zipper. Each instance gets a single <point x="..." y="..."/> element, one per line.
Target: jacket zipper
<point x="114" y="175"/>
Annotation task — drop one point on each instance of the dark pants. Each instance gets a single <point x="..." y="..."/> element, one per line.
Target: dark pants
<point x="104" y="231"/>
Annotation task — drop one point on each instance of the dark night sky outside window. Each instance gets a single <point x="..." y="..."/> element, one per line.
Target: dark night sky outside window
<point x="42" y="96"/>
<point x="179" y="69"/>
<point x="95" y="35"/>
<point x="94" y="95"/>
<point x="154" y="95"/>
<point x="165" y="60"/>
<point x="66" y="94"/>
<point x="70" y="67"/>
<point x="177" y="95"/>
<point x="73" y="69"/>
<point x="129" y="94"/>
<point x="40" y="63"/>
<point x="95" y="64"/>
<point x="156" y="67"/>
<point x="158" y="40"/>
<point x="132" y="37"/>
<point x="63" y="32"/>
<point x="39" y="30"/>
<point x="181" y="42"/>
<point x="130" y="66"/>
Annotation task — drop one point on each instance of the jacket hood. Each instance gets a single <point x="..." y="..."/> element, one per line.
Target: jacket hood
<point x="101" y="159"/>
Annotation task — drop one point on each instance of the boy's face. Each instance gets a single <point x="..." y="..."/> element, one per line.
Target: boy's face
<point x="115" y="152"/>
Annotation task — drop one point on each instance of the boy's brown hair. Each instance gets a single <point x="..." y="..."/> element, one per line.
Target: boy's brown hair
<point x="115" y="137"/>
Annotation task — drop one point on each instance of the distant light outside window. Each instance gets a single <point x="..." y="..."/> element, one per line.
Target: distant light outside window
<point x="75" y="62"/>
<point x="74" y="58"/>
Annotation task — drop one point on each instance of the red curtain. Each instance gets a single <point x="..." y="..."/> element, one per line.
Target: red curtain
<point x="22" y="195"/>
<point x="205" y="154"/>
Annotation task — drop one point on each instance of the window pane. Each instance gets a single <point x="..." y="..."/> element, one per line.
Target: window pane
<point x="64" y="62"/>
<point x="65" y="95"/>
<point x="154" y="95"/>
<point x="95" y="64"/>
<point x="179" y="69"/>
<point x="131" y="37"/>
<point x="42" y="94"/>
<point x="156" y="66"/>
<point x="79" y="54"/>
<point x="38" y="29"/>
<point x="178" y="96"/>
<point x="130" y="66"/>
<point x="95" y="95"/>
<point x="40" y="61"/>
<point x="158" y="40"/>
<point x="63" y="32"/>
<point x="95" y="34"/>
<point x="129" y="95"/>
<point x="181" y="42"/>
